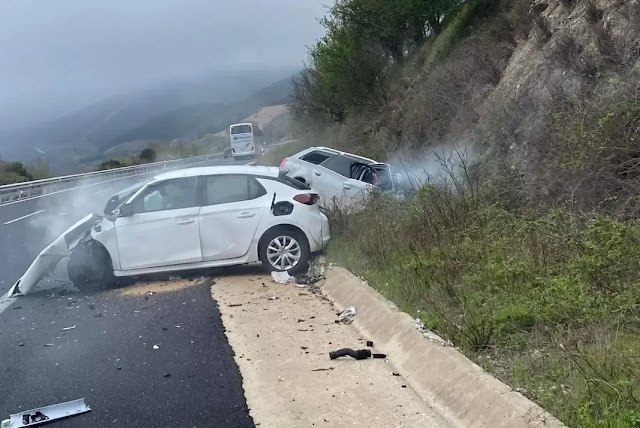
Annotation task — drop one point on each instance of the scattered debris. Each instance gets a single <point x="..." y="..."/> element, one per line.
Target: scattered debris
<point x="404" y="386"/>
<point x="69" y="328"/>
<point x="304" y="348"/>
<point x="420" y="326"/>
<point x="300" y="320"/>
<point x="47" y="413"/>
<point x="174" y="278"/>
<point x="98" y="315"/>
<point x="272" y="297"/>
<point x="164" y="328"/>
<point x="17" y="307"/>
<point x="235" y="305"/>
<point x="360" y="354"/>
<point x="370" y="343"/>
<point x="156" y="347"/>
<point x="48" y="344"/>
<point x="347" y="316"/>
<point x="322" y="370"/>
<point x="282" y="277"/>
<point x="382" y="356"/>
<point x="21" y="344"/>
<point x="166" y="375"/>
<point x="395" y="374"/>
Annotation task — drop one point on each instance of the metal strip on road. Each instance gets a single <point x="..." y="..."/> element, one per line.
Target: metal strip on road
<point x="23" y="217"/>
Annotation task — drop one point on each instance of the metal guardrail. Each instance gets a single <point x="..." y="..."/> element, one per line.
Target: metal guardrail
<point x="14" y="192"/>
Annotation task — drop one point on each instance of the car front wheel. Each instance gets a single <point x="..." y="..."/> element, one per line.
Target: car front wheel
<point x="89" y="267"/>
<point x="285" y="249"/>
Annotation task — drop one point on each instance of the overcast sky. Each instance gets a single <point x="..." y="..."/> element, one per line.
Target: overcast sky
<point x="62" y="54"/>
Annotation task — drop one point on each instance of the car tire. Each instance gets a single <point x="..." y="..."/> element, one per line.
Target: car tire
<point x="284" y="236"/>
<point x="89" y="267"/>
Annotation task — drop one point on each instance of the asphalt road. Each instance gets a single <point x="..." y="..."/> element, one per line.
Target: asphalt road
<point x="108" y="358"/>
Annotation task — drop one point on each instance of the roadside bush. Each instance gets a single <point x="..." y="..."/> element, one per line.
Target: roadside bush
<point x="547" y="302"/>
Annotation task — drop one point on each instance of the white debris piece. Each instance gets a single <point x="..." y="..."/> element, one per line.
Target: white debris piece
<point x="347" y="316"/>
<point x="282" y="277"/>
<point x="47" y="413"/>
<point x="156" y="347"/>
<point x="69" y="328"/>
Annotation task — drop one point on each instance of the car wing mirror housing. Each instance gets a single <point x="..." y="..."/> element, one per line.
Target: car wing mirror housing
<point x="126" y="210"/>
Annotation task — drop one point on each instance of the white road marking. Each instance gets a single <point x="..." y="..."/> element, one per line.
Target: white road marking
<point x="6" y="302"/>
<point x="23" y="217"/>
<point x="99" y="191"/>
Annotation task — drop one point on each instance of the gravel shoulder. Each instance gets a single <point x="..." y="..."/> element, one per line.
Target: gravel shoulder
<point x="282" y="335"/>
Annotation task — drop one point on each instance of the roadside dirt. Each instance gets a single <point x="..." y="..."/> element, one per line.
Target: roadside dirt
<point x="160" y="286"/>
<point x="282" y="336"/>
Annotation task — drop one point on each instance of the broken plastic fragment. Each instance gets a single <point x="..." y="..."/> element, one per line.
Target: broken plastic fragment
<point x="156" y="347"/>
<point x="360" y="354"/>
<point x="47" y="413"/>
<point x="69" y="328"/>
<point x="49" y="258"/>
<point x="282" y="277"/>
<point x="347" y="316"/>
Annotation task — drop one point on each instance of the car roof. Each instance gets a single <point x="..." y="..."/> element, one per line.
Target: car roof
<point x="335" y="152"/>
<point x="219" y="170"/>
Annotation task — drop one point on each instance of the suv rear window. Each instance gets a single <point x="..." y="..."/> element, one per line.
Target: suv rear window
<point x="316" y="157"/>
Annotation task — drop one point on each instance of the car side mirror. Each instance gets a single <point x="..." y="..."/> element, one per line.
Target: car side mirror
<point x="126" y="210"/>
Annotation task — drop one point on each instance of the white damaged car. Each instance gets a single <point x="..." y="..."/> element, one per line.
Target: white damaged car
<point x="342" y="180"/>
<point x="190" y="219"/>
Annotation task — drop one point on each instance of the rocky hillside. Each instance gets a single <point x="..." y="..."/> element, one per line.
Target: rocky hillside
<point x="521" y="245"/>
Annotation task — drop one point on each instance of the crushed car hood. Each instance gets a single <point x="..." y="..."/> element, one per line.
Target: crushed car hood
<point x="50" y="257"/>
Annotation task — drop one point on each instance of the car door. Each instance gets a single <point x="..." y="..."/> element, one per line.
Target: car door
<point x="230" y="215"/>
<point x="329" y="178"/>
<point x="163" y="229"/>
<point x="307" y="164"/>
<point x="358" y="187"/>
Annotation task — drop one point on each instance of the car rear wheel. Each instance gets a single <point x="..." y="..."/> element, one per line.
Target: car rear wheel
<point x="90" y="267"/>
<point x="285" y="249"/>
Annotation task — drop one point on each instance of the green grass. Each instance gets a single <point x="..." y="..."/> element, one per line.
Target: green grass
<point x="550" y="303"/>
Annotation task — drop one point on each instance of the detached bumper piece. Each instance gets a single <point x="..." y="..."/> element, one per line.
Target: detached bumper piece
<point x="46" y="414"/>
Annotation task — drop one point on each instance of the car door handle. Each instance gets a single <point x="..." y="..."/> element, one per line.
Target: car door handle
<point x="186" y="221"/>
<point x="246" y="214"/>
<point x="347" y="187"/>
<point x="317" y="173"/>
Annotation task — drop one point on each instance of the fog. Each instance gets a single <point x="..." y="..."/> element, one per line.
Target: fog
<point x="60" y="55"/>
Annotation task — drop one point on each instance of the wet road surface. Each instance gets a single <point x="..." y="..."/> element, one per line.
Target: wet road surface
<point x="191" y="380"/>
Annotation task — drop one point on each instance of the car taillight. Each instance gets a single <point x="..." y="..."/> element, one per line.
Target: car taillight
<point x="306" y="198"/>
<point x="283" y="163"/>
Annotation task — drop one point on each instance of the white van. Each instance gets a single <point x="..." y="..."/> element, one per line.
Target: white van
<point x="247" y="140"/>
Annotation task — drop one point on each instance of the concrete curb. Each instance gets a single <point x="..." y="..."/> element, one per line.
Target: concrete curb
<point x="456" y="387"/>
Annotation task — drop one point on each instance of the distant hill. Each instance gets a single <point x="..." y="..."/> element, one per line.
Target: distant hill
<point x="176" y="110"/>
<point x="196" y="120"/>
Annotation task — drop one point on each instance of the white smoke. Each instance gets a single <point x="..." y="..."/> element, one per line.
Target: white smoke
<point x="439" y="165"/>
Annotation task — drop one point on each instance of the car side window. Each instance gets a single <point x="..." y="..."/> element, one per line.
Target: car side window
<point x="316" y="157"/>
<point x="340" y="164"/>
<point x="168" y="195"/>
<point x="224" y="189"/>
